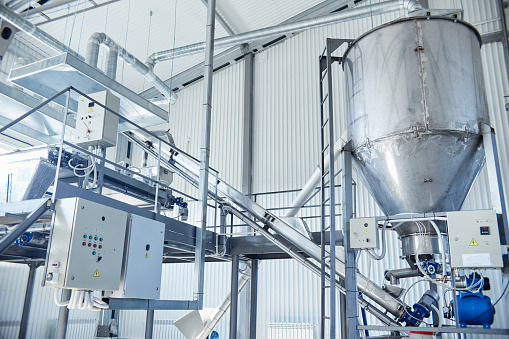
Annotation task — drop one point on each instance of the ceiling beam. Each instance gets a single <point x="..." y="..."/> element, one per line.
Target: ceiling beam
<point x="236" y="54"/>
<point x="77" y="12"/>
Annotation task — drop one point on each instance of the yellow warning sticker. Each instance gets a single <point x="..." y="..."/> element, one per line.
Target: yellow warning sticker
<point x="474" y="242"/>
<point x="96" y="273"/>
<point x="90" y="110"/>
<point x="146" y="255"/>
<point x="366" y="231"/>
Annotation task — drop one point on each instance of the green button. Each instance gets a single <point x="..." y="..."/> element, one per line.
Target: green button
<point x="95" y="238"/>
<point x="85" y="236"/>
<point x="90" y="237"/>
<point x="100" y="239"/>
<point x="93" y="253"/>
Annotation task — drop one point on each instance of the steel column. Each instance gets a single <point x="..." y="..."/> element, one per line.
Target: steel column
<point x="494" y="175"/>
<point x="149" y="324"/>
<point x="63" y="316"/>
<point x="23" y="325"/>
<point x="351" y="269"/>
<point x="254" y="299"/>
<point x="234" y="296"/>
<point x="203" y="190"/>
<point x="247" y="125"/>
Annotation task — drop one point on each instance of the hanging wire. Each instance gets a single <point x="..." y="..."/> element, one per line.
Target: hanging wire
<point x="66" y="21"/>
<point x="16" y="50"/>
<point x="82" y="22"/>
<point x="73" y="22"/>
<point x="371" y="13"/>
<point x="105" y="32"/>
<point x="148" y="40"/>
<point x="126" y="33"/>
<point x="173" y="55"/>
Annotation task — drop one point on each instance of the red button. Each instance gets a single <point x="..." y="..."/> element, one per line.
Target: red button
<point x="89" y="244"/>
<point x="84" y="243"/>
<point x="95" y="245"/>
<point x="100" y="246"/>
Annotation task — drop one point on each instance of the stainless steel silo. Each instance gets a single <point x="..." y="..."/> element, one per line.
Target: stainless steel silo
<point x="415" y="98"/>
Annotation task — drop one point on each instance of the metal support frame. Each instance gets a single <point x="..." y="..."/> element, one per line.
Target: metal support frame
<point x="23" y="325"/>
<point x="234" y="296"/>
<point x="149" y="324"/>
<point x="247" y="125"/>
<point x="199" y="263"/>
<point x="254" y="299"/>
<point x="351" y="267"/>
<point x="327" y="187"/>
<point x="63" y="316"/>
<point x="494" y="176"/>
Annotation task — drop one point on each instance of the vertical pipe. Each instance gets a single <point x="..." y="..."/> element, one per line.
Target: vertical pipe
<point x="234" y="296"/>
<point x="351" y="269"/>
<point x="149" y="324"/>
<point x="111" y="64"/>
<point x="254" y="299"/>
<point x="199" y="265"/>
<point x="23" y="325"/>
<point x="63" y="316"/>
<point x="247" y="125"/>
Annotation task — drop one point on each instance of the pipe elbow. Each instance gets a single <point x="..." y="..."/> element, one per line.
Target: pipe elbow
<point x="151" y="62"/>
<point x="97" y="38"/>
<point x="410" y="5"/>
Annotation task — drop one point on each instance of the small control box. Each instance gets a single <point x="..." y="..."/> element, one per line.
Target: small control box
<point x="143" y="259"/>
<point x="474" y="240"/>
<point x="96" y="126"/>
<point x="363" y="233"/>
<point x="86" y="246"/>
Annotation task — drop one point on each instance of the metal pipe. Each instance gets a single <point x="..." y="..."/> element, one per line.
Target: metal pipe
<point x="394" y="275"/>
<point x="111" y="63"/>
<point x="203" y="175"/>
<point x="92" y="56"/>
<point x="32" y="30"/>
<point x="63" y="316"/>
<point x="149" y="324"/>
<point x="23" y="325"/>
<point x="278" y="30"/>
<point x="254" y="299"/>
<point x="234" y="297"/>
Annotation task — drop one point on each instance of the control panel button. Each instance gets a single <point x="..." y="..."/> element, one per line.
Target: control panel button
<point x="147" y="247"/>
<point x="93" y="253"/>
<point x="95" y="238"/>
<point x="95" y="245"/>
<point x="84" y="243"/>
<point x="89" y="245"/>
<point x="100" y="246"/>
<point x="85" y="236"/>
<point x="100" y="239"/>
<point x="90" y="237"/>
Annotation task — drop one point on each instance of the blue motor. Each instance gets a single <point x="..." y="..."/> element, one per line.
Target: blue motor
<point x="31" y="238"/>
<point x="474" y="309"/>
<point x="421" y="310"/>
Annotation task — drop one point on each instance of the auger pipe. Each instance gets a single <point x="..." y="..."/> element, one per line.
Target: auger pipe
<point x="370" y="289"/>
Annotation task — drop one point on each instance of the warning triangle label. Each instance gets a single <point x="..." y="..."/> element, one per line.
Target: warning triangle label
<point x="474" y="242"/>
<point x="90" y="110"/>
<point x="366" y="231"/>
<point x="96" y="273"/>
<point x="146" y="255"/>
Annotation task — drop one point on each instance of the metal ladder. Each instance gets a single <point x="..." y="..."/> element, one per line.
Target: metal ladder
<point x="327" y="187"/>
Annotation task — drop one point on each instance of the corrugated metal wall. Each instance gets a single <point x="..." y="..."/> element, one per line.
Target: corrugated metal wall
<point x="285" y="154"/>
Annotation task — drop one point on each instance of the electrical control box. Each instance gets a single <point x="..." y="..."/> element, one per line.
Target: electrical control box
<point x="96" y="126"/>
<point x="86" y="246"/>
<point x="474" y="240"/>
<point x="363" y="233"/>
<point x="143" y="260"/>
